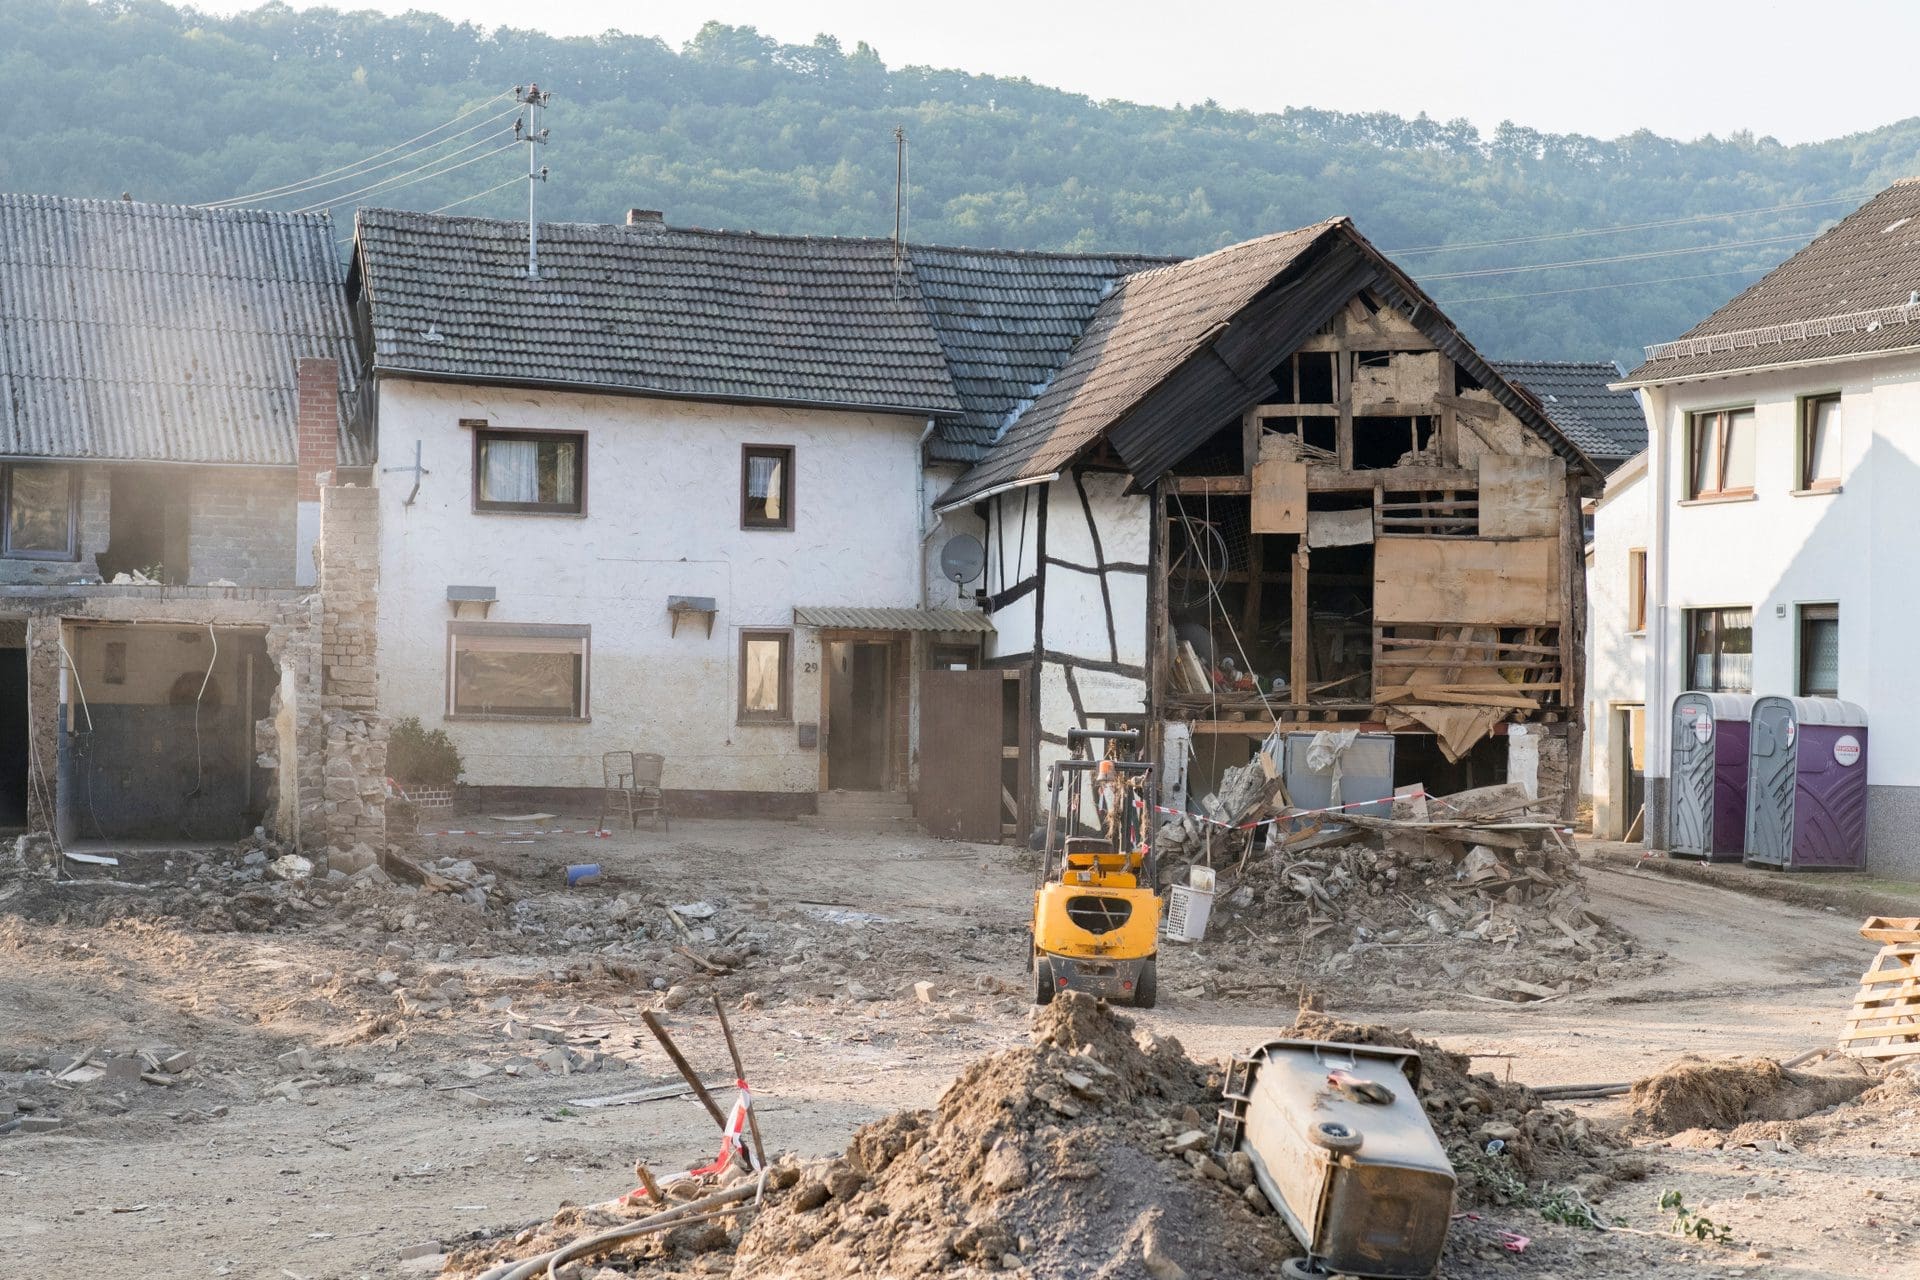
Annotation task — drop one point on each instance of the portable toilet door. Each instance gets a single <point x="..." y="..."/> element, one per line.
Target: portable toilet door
<point x="1707" y="775"/>
<point x="1807" y="784"/>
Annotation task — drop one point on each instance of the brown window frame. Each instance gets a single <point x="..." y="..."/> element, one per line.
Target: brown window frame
<point x="786" y="454"/>
<point x="784" y="715"/>
<point x="583" y="706"/>
<point x="483" y="433"/>
<point x="1717" y="684"/>
<point x="1804" y="614"/>
<point x="1695" y="490"/>
<point x="1805" y="480"/>
<point x="1636" y="590"/>
<point x="72" y="549"/>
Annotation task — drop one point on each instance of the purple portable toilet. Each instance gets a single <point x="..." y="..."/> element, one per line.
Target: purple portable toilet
<point x="1807" y="784"/>
<point x="1707" y="774"/>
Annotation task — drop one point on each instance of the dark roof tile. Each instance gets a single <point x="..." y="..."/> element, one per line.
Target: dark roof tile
<point x="1607" y="425"/>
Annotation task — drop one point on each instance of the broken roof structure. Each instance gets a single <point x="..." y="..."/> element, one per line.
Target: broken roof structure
<point x="1853" y="292"/>
<point x="148" y="332"/>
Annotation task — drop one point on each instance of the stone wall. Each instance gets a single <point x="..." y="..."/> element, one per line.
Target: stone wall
<point x="241" y="527"/>
<point x="354" y="768"/>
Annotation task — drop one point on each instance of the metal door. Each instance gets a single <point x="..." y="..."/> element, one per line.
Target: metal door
<point x="1772" y="777"/>
<point x="960" y="753"/>
<point x="1690" y="825"/>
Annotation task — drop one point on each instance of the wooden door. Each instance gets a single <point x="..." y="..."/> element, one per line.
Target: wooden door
<point x="960" y="753"/>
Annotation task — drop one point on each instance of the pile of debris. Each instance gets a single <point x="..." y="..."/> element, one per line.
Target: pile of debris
<point x="1699" y="1093"/>
<point x="1083" y="1154"/>
<point x="41" y="1092"/>
<point x="1474" y="892"/>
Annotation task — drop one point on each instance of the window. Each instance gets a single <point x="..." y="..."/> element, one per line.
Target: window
<point x="766" y="487"/>
<point x="1720" y="454"/>
<point x="1819" y="443"/>
<point x="541" y="471"/>
<point x="517" y="669"/>
<point x="1637" y="590"/>
<point x="1819" y="650"/>
<point x="38" y="522"/>
<point x="766" y="680"/>
<point x="1720" y="650"/>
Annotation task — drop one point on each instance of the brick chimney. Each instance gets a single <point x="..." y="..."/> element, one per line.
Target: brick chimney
<point x="317" y="449"/>
<point x="648" y="220"/>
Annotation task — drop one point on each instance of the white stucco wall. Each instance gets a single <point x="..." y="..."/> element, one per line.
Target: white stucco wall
<point x="1780" y="550"/>
<point x="663" y="518"/>
<point x="1616" y="651"/>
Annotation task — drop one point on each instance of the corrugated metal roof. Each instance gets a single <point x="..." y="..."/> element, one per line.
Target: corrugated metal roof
<point x="1845" y="295"/>
<point x="1607" y="424"/>
<point x="849" y="619"/>
<point x="671" y="311"/>
<point x="163" y="332"/>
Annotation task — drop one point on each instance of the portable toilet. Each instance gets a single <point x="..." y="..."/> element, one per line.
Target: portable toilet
<point x="1807" y="784"/>
<point x="1707" y="776"/>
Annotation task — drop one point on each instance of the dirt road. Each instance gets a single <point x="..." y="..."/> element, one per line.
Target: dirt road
<point x="231" y="1172"/>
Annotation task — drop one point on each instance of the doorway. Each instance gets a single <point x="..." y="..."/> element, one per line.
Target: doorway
<point x="15" y="744"/>
<point x="858" y="714"/>
<point x="1629" y="750"/>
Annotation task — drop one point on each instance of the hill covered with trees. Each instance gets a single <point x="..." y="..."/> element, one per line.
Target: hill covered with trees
<point x="737" y="130"/>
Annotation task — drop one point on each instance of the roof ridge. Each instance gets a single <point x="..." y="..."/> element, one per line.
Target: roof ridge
<point x="171" y="208"/>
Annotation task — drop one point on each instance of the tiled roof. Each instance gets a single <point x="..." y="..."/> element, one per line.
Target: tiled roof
<point x="163" y="332"/>
<point x="1844" y="295"/>
<point x="653" y="310"/>
<point x="1607" y="425"/>
<point x="1147" y="327"/>
<point x="1007" y="320"/>
<point x="852" y="619"/>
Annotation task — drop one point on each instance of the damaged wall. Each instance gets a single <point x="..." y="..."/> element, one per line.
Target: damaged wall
<point x="352" y="793"/>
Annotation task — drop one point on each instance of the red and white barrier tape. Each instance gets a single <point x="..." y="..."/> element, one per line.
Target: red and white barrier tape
<point x="733" y="1143"/>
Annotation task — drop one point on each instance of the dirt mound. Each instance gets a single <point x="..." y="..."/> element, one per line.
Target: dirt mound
<point x="1695" y="1093"/>
<point x="1060" y="1159"/>
<point x="1501" y="1137"/>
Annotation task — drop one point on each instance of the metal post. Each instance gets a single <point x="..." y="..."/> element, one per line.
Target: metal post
<point x="534" y="100"/>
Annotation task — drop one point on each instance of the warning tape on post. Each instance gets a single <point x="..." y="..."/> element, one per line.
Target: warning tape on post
<point x="733" y="1144"/>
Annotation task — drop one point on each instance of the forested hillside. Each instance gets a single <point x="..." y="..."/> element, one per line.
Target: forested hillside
<point x="736" y="130"/>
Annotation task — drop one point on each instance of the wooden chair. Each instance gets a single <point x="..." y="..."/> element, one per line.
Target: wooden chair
<point x="630" y="784"/>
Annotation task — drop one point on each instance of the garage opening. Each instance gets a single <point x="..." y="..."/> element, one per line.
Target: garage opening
<point x="158" y="738"/>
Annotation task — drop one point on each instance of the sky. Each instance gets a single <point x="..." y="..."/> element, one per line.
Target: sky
<point x="1682" y="68"/>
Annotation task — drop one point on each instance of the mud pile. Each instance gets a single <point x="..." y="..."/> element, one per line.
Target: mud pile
<point x="1695" y="1093"/>
<point x="1501" y="1137"/>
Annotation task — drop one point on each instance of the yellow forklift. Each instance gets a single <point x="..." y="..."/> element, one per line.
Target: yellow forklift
<point x="1096" y="911"/>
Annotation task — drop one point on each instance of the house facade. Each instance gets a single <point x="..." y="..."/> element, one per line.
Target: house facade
<point x="175" y="393"/>
<point x="1615" y="769"/>
<point x="1273" y="490"/>
<point x="1780" y="527"/>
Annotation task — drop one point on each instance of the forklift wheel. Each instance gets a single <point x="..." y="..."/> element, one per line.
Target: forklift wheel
<point x="1146" y="988"/>
<point x="1042" y="980"/>
<point x="1303" y="1269"/>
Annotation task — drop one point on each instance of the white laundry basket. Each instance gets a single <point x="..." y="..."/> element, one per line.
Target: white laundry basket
<point x="1189" y="905"/>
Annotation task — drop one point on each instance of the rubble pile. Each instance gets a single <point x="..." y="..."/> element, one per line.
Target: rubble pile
<point x="1082" y="1154"/>
<point x="1697" y="1093"/>
<point x="1471" y="892"/>
<point x="1502" y="1137"/>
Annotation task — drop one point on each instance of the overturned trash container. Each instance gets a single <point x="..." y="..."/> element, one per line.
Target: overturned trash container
<point x="1343" y="1149"/>
<point x="1807" y="784"/>
<point x="1707" y="771"/>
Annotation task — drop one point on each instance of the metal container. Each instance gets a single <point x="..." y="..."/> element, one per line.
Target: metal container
<point x="1342" y="1148"/>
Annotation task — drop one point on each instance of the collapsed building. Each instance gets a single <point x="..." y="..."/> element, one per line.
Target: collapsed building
<point x="1274" y="489"/>
<point x="188" y="549"/>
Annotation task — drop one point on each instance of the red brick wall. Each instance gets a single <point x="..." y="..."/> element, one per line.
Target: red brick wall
<point x="319" y="424"/>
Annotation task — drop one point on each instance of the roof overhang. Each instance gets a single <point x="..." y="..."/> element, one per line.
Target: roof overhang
<point x="849" y="618"/>
<point x="655" y="393"/>
<point x="1815" y="362"/>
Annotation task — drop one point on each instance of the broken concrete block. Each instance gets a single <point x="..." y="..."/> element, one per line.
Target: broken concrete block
<point x="38" y="1124"/>
<point x="1191" y="1140"/>
<point x="296" y="1060"/>
<point x="122" y="1068"/>
<point x="396" y="1080"/>
<point x="1005" y="1168"/>
<point x="923" y="992"/>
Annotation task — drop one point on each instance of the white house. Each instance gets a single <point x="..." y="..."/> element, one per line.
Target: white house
<point x="1615" y="767"/>
<point x="670" y="493"/>
<point x="1780" y="478"/>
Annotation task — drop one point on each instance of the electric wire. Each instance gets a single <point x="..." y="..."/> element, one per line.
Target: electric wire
<point x="319" y="179"/>
<point x="1480" y="272"/>
<point x="394" y="183"/>
<point x="1590" y="288"/>
<point x="1628" y="226"/>
<point x="514" y="181"/>
<point x="199" y="762"/>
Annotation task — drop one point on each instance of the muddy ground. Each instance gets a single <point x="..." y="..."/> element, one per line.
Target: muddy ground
<point x="430" y="1107"/>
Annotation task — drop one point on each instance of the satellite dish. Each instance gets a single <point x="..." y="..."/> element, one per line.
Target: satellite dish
<point x="963" y="558"/>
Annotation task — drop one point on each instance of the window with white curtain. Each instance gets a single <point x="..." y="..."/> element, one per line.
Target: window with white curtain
<point x="541" y="471"/>
<point x="766" y="487"/>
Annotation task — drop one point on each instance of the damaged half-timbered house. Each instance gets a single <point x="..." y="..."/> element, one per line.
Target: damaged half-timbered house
<point x="1274" y="489"/>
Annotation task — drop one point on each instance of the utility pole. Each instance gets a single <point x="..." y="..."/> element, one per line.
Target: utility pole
<point x="899" y="199"/>
<point x="533" y="99"/>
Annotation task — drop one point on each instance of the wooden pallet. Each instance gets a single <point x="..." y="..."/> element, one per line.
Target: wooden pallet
<point x="1884" y="1021"/>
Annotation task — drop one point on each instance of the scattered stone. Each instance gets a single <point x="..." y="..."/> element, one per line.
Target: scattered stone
<point x="1005" y="1169"/>
<point x="423" y="1250"/>
<point x="296" y="1060"/>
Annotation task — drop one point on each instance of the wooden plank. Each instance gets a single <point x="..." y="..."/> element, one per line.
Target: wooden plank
<point x="1473" y="581"/>
<point x="1885" y="1050"/>
<point x="1501" y="646"/>
<point x="1521" y="497"/>
<point x="1892" y="929"/>
<point x="1302" y="623"/>
<point x="1279" y="496"/>
<point x="1207" y="484"/>
<point x="1472" y="408"/>
<point x="1903" y="974"/>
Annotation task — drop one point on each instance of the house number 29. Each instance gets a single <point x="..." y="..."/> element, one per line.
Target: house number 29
<point x="810" y="667"/>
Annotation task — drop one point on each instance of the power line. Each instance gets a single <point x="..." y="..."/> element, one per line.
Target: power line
<point x="1627" y="226"/>
<point x="394" y="183"/>
<point x="318" y="179"/>
<point x="1622" y="257"/>
<point x="1590" y="288"/>
<point x="514" y="181"/>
